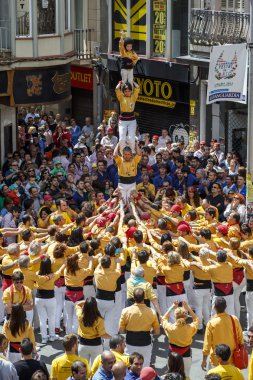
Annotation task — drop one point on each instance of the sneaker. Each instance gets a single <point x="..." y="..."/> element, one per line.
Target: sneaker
<point x="53" y="338"/>
<point x="44" y="340"/>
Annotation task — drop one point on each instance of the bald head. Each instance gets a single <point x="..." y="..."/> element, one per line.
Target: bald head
<point x="108" y="360"/>
<point x="119" y="370"/>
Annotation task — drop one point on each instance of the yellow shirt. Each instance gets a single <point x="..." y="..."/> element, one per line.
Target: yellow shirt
<point x="221" y="272"/>
<point x="138" y="317"/>
<point x="28" y="333"/>
<point x="17" y="296"/>
<point x="174" y="273"/>
<point x="149" y="188"/>
<point x="30" y="277"/>
<point x="127" y="168"/>
<point x="76" y="280"/>
<point x="106" y="278"/>
<point x="127" y="54"/>
<point x="248" y="265"/>
<point x="64" y="214"/>
<point x="186" y="209"/>
<point x="227" y="371"/>
<point x="180" y="334"/>
<point x="199" y="273"/>
<point x="61" y="366"/>
<point x="7" y="260"/>
<point x="127" y="103"/>
<point x="219" y="330"/>
<point x="146" y="286"/>
<point x="118" y="356"/>
<point x="95" y="331"/>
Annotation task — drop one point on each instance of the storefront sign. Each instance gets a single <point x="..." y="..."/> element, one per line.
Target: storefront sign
<point x="44" y="85"/>
<point x="155" y="92"/>
<point x="159" y="26"/>
<point x="227" y="79"/>
<point x="82" y="77"/>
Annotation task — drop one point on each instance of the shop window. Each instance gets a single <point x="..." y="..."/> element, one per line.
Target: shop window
<point x="46" y="16"/>
<point x="131" y="17"/>
<point x="158" y="27"/>
<point x="23" y="12"/>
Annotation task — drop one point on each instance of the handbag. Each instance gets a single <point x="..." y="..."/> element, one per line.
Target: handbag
<point x="240" y="355"/>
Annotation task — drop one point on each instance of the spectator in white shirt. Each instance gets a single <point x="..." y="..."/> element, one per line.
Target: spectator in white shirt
<point x="88" y="132"/>
<point x="163" y="139"/>
<point x="109" y="141"/>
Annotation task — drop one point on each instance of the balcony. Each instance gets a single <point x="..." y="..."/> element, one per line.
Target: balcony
<point x="209" y="28"/>
<point x="5" y="48"/>
<point x="83" y="44"/>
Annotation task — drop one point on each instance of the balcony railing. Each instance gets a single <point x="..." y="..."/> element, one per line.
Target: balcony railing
<point x="4" y="38"/>
<point x="209" y="28"/>
<point x="23" y="25"/>
<point x="83" y="43"/>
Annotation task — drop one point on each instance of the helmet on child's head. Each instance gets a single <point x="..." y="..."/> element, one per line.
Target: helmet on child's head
<point x="128" y="41"/>
<point x="127" y="86"/>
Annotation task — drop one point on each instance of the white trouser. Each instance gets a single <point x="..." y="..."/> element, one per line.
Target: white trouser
<point x="36" y="320"/>
<point x="127" y="75"/>
<point x="14" y="356"/>
<point x="202" y="305"/>
<point x="29" y="316"/>
<point x="127" y="132"/>
<point x="170" y="302"/>
<point x="126" y="190"/>
<point x="237" y="292"/>
<point x="107" y="310"/>
<point x="46" y="309"/>
<point x="162" y="299"/>
<point x="89" y="352"/>
<point x="1" y="306"/>
<point x="71" y="319"/>
<point x="230" y="304"/>
<point x="59" y="297"/>
<point x="89" y="291"/>
<point x="118" y="307"/>
<point x="188" y="285"/>
<point x="187" y="366"/>
<point x="249" y="304"/>
<point x="123" y="292"/>
<point x="146" y="351"/>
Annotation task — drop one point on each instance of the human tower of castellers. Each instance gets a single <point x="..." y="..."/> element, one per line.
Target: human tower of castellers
<point x="109" y="240"/>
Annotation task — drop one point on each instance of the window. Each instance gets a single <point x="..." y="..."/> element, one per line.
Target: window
<point x="23" y="18"/>
<point x="67" y="15"/>
<point x="159" y="24"/>
<point x="46" y="16"/>
<point x="4" y="25"/>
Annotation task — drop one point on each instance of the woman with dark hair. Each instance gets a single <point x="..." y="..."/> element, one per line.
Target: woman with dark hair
<point x="175" y="364"/>
<point x="74" y="279"/>
<point x="44" y="180"/>
<point x="76" y="237"/>
<point x="45" y="299"/>
<point x="192" y="197"/>
<point x="91" y="329"/>
<point x="15" y="330"/>
<point x="44" y="215"/>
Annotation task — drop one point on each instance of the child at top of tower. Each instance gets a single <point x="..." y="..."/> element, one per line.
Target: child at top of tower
<point x="128" y="58"/>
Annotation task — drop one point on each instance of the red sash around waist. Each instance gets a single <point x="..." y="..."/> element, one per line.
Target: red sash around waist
<point x="161" y="280"/>
<point x="179" y="350"/>
<point x="176" y="288"/>
<point x="226" y="288"/>
<point x="238" y="275"/>
<point x="14" y="347"/>
<point x="73" y="295"/>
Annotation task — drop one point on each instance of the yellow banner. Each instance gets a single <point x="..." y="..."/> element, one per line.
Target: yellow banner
<point x="156" y="101"/>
